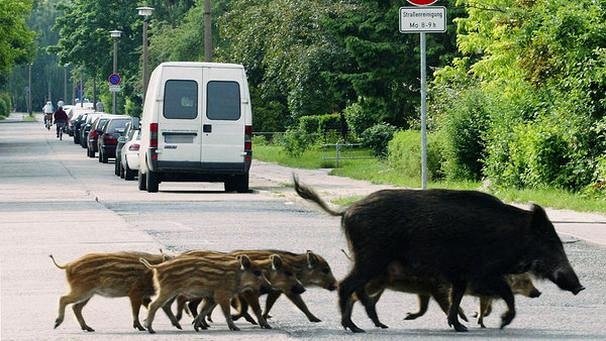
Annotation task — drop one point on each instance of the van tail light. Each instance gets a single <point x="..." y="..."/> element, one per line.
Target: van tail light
<point x="92" y="134"/>
<point x="134" y="147"/>
<point x="153" y="135"/>
<point x="248" y="142"/>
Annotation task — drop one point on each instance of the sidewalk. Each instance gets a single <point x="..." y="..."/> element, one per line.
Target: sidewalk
<point x="571" y="225"/>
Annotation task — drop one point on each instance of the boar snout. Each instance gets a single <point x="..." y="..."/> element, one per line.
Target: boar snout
<point x="567" y="280"/>
<point x="534" y="293"/>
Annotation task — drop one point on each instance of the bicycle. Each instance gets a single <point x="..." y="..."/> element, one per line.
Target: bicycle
<point x="48" y="121"/>
<point x="60" y="126"/>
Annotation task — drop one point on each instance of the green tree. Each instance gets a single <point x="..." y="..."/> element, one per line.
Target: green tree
<point x="16" y="40"/>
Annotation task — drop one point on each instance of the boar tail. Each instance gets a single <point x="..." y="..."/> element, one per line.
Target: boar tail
<point x="309" y="194"/>
<point x="63" y="267"/>
<point x="146" y="263"/>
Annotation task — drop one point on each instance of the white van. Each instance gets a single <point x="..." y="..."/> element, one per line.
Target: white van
<point x="196" y="126"/>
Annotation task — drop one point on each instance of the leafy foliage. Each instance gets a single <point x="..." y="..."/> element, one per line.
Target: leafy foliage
<point x="16" y="40"/>
<point x="404" y="154"/>
<point x="377" y="137"/>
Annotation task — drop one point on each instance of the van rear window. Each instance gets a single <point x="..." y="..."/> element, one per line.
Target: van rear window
<point x="181" y="99"/>
<point x="223" y="100"/>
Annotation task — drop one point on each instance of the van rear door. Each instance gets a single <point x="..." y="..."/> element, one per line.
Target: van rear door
<point x="224" y="117"/>
<point x="180" y="119"/>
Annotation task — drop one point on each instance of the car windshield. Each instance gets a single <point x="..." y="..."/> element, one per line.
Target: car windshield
<point x="115" y="125"/>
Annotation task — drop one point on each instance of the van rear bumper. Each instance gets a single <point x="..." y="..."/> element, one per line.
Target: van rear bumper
<point x="198" y="171"/>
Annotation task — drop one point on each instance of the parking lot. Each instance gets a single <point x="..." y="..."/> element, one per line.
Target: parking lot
<point x="54" y="199"/>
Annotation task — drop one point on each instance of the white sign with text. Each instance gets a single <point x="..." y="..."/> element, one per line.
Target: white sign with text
<point x="422" y="19"/>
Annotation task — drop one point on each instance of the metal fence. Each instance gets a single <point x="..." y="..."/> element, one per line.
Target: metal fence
<point x="343" y="151"/>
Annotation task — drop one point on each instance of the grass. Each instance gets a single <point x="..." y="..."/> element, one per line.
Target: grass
<point x="379" y="172"/>
<point x="29" y="118"/>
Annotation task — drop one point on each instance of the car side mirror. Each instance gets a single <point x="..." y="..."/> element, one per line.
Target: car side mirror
<point x="121" y="139"/>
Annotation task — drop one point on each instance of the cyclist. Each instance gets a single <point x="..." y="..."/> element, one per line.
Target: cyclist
<point x="60" y="121"/>
<point x="48" y="114"/>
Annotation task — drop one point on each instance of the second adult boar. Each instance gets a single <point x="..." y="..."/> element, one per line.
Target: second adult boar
<point x="465" y="237"/>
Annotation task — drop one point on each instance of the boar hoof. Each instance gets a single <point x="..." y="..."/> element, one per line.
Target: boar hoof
<point x="234" y="328"/>
<point x="482" y="325"/>
<point x="457" y="326"/>
<point x="412" y="316"/>
<point x="313" y="319"/>
<point x="265" y="326"/>
<point x="235" y="317"/>
<point x="150" y="330"/>
<point x="267" y="316"/>
<point x="209" y="319"/>
<point x="351" y="326"/>
<point x="177" y="325"/>
<point x="57" y="323"/>
<point x="507" y="318"/>
<point x="381" y="325"/>
<point x="138" y="326"/>
<point x="87" y="328"/>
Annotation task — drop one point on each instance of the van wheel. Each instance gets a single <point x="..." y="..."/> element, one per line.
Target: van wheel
<point x="142" y="181"/>
<point x="117" y="168"/>
<point x="152" y="182"/>
<point x="229" y="185"/>
<point x="104" y="158"/>
<point x="90" y="153"/>
<point x="241" y="183"/>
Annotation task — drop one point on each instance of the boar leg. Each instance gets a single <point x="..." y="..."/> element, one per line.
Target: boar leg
<point x="72" y="297"/>
<point x="485" y="302"/>
<point x="156" y="304"/>
<point x="200" y="320"/>
<point x="253" y="301"/>
<point x="209" y="317"/>
<point x="78" y="312"/>
<point x="298" y="301"/>
<point x="135" y="304"/>
<point x="272" y="297"/>
<point x="169" y="313"/>
<point x="456" y="295"/>
<point x="224" y="303"/>
<point x="350" y="284"/>
<point x="423" y="304"/>
<point x="441" y="296"/>
<point x="241" y="306"/>
<point x="370" y="306"/>
<point x="507" y="295"/>
<point x="181" y="306"/>
<point x="193" y="306"/>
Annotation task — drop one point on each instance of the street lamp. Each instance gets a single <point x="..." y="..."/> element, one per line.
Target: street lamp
<point x="65" y="82"/>
<point x="115" y="34"/>
<point x="145" y="12"/>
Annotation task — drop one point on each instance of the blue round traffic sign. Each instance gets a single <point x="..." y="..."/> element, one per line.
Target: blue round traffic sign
<point x="114" y="79"/>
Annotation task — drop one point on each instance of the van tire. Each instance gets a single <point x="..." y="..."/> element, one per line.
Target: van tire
<point x="152" y="182"/>
<point x="142" y="181"/>
<point x="241" y="183"/>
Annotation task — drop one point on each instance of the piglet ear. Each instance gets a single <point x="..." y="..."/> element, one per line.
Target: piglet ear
<point x="244" y="262"/>
<point x="276" y="262"/>
<point x="312" y="259"/>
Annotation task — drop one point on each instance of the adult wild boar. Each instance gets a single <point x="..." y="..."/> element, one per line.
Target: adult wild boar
<point x="466" y="238"/>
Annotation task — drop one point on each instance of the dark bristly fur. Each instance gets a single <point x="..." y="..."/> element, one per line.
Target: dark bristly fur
<point x="468" y="238"/>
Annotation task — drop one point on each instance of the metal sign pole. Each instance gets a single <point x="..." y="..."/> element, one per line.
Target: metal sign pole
<point x="423" y="114"/>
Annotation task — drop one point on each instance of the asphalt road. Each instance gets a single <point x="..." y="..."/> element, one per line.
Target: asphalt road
<point x="53" y="199"/>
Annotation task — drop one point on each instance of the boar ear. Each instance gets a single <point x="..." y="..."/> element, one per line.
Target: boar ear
<point x="312" y="259"/>
<point x="276" y="262"/>
<point x="540" y="222"/>
<point x="244" y="262"/>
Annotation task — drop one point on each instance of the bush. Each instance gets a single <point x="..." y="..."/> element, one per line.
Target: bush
<point x="464" y="126"/>
<point x="4" y="107"/>
<point x="377" y="137"/>
<point x="359" y="119"/>
<point x="295" y="142"/>
<point x="404" y="154"/>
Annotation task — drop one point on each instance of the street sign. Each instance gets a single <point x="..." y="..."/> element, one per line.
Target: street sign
<point x="422" y="2"/>
<point x="114" y="88"/>
<point x="114" y="79"/>
<point x="422" y="19"/>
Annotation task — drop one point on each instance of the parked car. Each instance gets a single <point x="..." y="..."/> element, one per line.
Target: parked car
<point x="129" y="156"/>
<point x="131" y="127"/>
<point x="75" y="114"/>
<point x="85" y="127"/>
<point x="77" y="125"/>
<point x="108" y="137"/>
<point x="196" y="126"/>
<point x="93" y="134"/>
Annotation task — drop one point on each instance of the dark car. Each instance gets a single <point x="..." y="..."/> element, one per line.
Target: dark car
<point x="85" y="128"/>
<point x="131" y="128"/>
<point x="93" y="135"/>
<point x="108" y="138"/>
<point x="76" y="125"/>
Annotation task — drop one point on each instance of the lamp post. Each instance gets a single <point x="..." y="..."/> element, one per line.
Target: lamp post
<point x="65" y="83"/>
<point x="208" y="43"/>
<point x="145" y="12"/>
<point x="115" y="34"/>
<point x="29" y="90"/>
